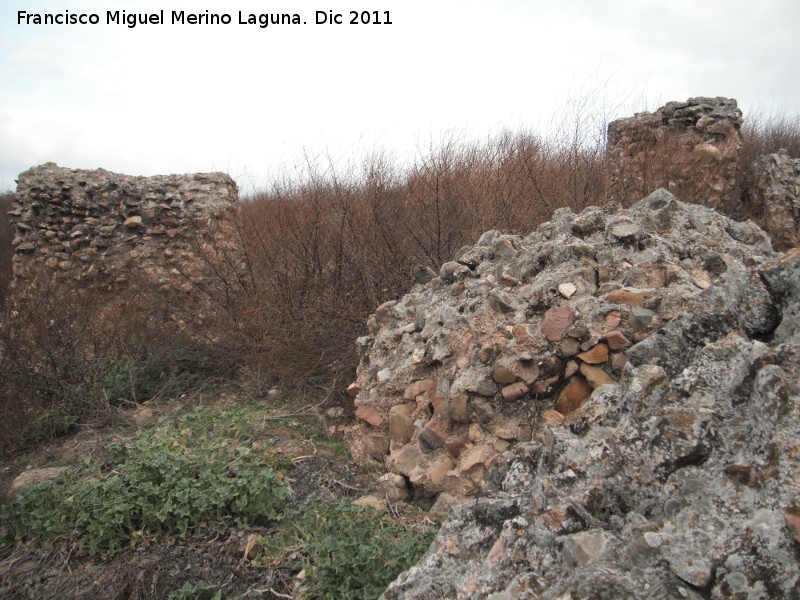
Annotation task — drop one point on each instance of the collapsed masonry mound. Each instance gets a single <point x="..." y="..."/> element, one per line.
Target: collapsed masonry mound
<point x="519" y="330"/>
<point x="617" y="389"/>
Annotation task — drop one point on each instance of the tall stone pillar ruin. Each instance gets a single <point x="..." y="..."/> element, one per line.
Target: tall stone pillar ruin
<point x="691" y="148"/>
<point x="153" y="236"/>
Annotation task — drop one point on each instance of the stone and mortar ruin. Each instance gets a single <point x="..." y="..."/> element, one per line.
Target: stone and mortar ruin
<point x="693" y="149"/>
<point x="776" y="193"/>
<point x="700" y="140"/>
<point x="607" y="406"/>
<point x="518" y="329"/>
<point x="102" y="230"/>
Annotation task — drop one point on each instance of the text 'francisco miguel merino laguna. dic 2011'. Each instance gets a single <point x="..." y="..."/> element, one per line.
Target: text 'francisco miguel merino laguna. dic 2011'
<point x="181" y="17"/>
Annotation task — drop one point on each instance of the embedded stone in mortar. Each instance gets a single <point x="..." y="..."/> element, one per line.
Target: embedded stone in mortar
<point x="556" y="321"/>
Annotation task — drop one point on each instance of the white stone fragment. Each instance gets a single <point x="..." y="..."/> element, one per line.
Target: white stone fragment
<point x="567" y="290"/>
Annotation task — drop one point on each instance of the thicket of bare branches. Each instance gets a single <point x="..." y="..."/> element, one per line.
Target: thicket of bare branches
<point x="322" y="249"/>
<point x="325" y="249"/>
<point x="328" y="246"/>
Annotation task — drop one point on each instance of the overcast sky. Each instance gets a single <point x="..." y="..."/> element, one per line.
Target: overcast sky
<point x="251" y="101"/>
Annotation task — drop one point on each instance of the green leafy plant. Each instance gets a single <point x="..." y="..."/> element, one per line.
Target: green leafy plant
<point x="146" y="370"/>
<point x="197" y="591"/>
<point x="206" y="470"/>
<point x="348" y="552"/>
<point x="48" y="425"/>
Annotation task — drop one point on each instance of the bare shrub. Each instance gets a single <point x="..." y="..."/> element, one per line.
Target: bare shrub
<point x="316" y="253"/>
<point x="324" y="248"/>
<point x="763" y="133"/>
<point x="70" y="357"/>
<point x="6" y="250"/>
<point x="769" y="132"/>
<point x="48" y="347"/>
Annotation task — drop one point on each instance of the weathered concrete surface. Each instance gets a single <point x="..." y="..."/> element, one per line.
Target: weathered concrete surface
<point x="681" y="481"/>
<point x="460" y="370"/>
<point x="671" y="470"/>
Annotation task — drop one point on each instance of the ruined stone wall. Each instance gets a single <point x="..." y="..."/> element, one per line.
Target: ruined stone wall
<point x="691" y="148"/>
<point x="160" y="234"/>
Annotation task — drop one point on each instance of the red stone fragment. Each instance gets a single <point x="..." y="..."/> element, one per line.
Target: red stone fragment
<point x="553" y="519"/>
<point x="418" y="387"/>
<point x="596" y="355"/>
<point x="573" y="395"/>
<point x="613" y="318"/>
<point x="545" y="386"/>
<point x="792" y="516"/>
<point x="432" y="436"/>
<point x="617" y="341"/>
<point x="370" y="414"/>
<point x="556" y="321"/>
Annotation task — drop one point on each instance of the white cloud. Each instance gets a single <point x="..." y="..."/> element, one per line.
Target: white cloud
<point x="245" y="99"/>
